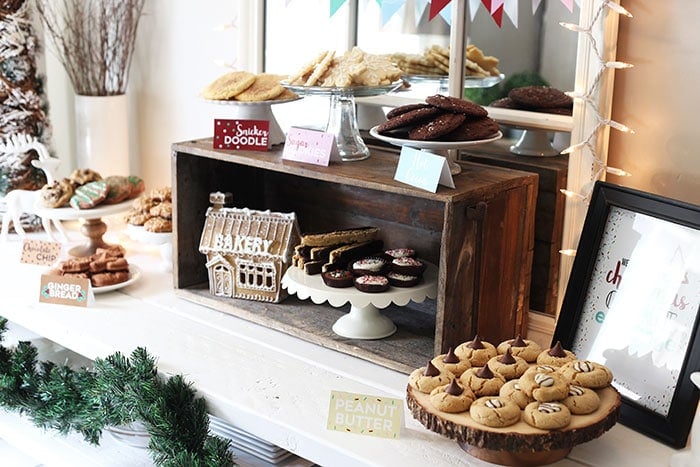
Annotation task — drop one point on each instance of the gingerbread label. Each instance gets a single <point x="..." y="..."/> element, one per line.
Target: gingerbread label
<point x="64" y="290"/>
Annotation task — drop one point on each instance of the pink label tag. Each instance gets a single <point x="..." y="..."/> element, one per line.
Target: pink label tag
<point x="310" y="146"/>
<point x="251" y="135"/>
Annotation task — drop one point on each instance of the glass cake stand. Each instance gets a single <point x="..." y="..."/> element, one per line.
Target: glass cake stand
<point x="258" y="111"/>
<point x="93" y="226"/>
<point x="364" y="320"/>
<point x="441" y="148"/>
<point x="443" y="80"/>
<point x="342" y="119"/>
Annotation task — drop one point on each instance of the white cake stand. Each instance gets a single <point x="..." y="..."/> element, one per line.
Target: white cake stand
<point x="441" y="148"/>
<point x="163" y="239"/>
<point x="261" y="110"/>
<point x="93" y="227"/>
<point x="364" y="320"/>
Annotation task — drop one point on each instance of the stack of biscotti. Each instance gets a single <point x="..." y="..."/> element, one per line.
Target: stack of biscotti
<point x="327" y="251"/>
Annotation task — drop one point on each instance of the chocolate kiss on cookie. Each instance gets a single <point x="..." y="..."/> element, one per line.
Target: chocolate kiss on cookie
<point x="454" y="389"/>
<point x="507" y="358"/>
<point x="431" y="370"/>
<point x="557" y="350"/>
<point x="450" y="357"/>
<point x="518" y="342"/>
<point x="475" y="343"/>
<point x="484" y="372"/>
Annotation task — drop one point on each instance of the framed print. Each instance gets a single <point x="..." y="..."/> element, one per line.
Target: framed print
<point x="632" y="303"/>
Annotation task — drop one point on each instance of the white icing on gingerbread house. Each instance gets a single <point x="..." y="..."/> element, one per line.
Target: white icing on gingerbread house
<point x="247" y="251"/>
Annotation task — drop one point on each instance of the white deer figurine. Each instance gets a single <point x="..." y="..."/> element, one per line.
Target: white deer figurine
<point x="24" y="201"/>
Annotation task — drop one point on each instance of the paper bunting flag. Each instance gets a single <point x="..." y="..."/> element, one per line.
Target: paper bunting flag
<point x="510" y="8"/>
<point x="473" y="7"/>
<point x="335" y="5"/>
<point x="436" y="7"/>
<point x="535" y="5"/>
<point x="389" y="9"/>
<point x="568" y="4"/>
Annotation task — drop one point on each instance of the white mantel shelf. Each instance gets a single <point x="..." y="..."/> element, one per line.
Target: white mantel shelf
<point x="270" y="384"/>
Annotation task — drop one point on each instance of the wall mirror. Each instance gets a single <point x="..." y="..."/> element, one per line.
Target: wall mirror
<point x="568" y="60"/>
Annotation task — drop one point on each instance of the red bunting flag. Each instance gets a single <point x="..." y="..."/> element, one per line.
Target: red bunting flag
<point x="436" y="7"/>
<point x="498" y="15"/>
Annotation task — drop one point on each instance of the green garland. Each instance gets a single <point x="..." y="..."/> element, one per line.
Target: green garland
<point x="117" y="390"/>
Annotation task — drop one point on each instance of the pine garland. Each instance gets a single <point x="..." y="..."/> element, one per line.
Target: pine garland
<point x="116" y="391"/>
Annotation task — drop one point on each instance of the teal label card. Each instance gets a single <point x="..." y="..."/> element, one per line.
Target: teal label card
<point x="423" y="169"/>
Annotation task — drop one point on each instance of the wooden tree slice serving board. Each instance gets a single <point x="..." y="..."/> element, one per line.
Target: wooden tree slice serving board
<point x="519" y="444"/>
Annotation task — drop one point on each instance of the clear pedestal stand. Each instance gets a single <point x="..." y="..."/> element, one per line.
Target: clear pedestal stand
<point x="447" y="149"/>
<point x="258" y="111"/>
<point x="92" y="227"/>
<point x="342" y="118"/>
<point x="364" y="320"/>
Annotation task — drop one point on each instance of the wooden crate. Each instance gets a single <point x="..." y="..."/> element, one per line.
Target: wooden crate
<point x="480" y="234"/>
<point x="549" y="218"/>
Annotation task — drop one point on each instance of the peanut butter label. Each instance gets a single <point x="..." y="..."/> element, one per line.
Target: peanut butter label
<point x="365" y="415"/>
<point x="64" y="290"/>
<point x="40" y="252"/>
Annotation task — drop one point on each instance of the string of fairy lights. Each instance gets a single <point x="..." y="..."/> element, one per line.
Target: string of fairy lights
<point x="588" y="97"/>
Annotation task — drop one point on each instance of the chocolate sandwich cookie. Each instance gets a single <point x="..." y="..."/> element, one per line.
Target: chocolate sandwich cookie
<point x="454" y="104"/>
<point x="340" y="278"/>
<point x="436" y="127"/>
<point x="371" y="265"/>
<point x="400" y="253"/>
<point x="473" y="129"/>
<point x="540" y="97"/>
<point x="402" y="280"/>
<point x="371" y="284"/>
<point x="396" y="111"/>
<point x="407" y="265"/>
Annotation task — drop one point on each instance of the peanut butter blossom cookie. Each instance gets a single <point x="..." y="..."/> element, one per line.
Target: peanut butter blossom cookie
<point x="429" y="377"/>
<point x="587" y="374"/>
<point x="511" y="390"/>
<point x="478" y="352"/>
<point x="519" y="347"/>
<point x="547" y="415"/>
<point x="451" y="362"/>
<point x="452" y="398"/>
<point x="544" y="387"/>
<point x="581" y="401"/>
<point x="508" y="366"/>
<point x="494" y="411"/>
<point x="556" y="356"/>
<point x="482" y="381"/>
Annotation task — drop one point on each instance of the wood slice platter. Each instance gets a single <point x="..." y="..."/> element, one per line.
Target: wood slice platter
<point x="518" y="444"/>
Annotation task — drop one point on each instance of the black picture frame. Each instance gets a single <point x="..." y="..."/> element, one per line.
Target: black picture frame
<point x="610" y="325"/>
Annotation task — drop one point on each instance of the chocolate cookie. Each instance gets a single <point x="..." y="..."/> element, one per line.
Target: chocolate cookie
<point x="372" y="284"/>
<point x="396" y="111"/>
<point x="504" y="103"/>
<point x="540" y="97"/>
<point x="89" y="195"/>
<point x="454" y="104"/>
<point x="473" y="129"/>
<point x="436" y="127"/>
<point x="409" y="118"/>
<point x="339" y="278"/>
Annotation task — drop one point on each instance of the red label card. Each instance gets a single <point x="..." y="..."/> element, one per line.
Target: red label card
<point x="252" y="135"/>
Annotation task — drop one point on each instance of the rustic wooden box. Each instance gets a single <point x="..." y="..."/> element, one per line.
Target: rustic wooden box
<point x="480" y="234"/>
<point x="549" y="219"/>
